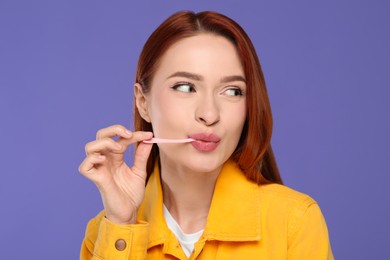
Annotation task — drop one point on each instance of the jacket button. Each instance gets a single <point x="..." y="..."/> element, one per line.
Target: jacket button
<point x="120" y="244"/>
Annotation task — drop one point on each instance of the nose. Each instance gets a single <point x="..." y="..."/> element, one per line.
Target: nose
<point x="207" y="111"/>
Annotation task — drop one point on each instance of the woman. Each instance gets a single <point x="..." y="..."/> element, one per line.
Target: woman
<point x="216" y="195"/>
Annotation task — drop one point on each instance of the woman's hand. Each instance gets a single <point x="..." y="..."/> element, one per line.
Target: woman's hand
<point x="122" y="188"/>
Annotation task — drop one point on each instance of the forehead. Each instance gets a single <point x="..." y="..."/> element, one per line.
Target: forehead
<point x="205" y="54"/>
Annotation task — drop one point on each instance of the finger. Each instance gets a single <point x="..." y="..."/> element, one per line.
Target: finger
<point x="112" y="131"/>
<point x="120" y="145"/>
<point x="87" y="167"/>
<point x="141" y="156"/>
<point x="138" y="136"/>
<point x="102" y="145"/>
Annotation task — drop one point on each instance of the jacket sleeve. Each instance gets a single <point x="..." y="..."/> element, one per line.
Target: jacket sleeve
<point x="309" y="235"/>
<point x="106" y="240"/>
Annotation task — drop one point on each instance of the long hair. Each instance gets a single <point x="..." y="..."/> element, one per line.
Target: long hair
<point x="253" y="153"/>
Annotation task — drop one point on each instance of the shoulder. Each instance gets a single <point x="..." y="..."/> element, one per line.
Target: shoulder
<point x="285" y="195"/>
<point x="283" y="206"/>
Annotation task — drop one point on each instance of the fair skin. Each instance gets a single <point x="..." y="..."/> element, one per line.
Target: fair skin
<point x="198" y="91"/>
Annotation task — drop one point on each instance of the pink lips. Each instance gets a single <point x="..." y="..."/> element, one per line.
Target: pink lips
<point x="205" y="142"/>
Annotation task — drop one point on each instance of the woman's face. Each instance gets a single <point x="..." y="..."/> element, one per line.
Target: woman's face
<point x="198" y="91"/>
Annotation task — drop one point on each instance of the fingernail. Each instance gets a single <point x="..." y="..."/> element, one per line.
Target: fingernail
<point x="128" y="132"/>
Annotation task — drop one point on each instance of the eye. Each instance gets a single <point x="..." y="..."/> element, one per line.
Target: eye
<point x="184" y="87"/>
<point x="234" y="92"/>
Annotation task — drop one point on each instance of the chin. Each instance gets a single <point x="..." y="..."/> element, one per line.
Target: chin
<point x="204" y="164"/>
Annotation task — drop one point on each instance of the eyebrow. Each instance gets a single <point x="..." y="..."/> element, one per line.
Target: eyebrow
<point x="198" y="77"/>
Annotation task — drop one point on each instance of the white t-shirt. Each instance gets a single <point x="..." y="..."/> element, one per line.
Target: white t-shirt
<point x="186" y="241"/>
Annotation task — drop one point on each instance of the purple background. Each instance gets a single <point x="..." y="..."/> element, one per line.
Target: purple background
<point x="67" y="69"/>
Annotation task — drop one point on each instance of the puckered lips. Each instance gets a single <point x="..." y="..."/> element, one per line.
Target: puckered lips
<point x="205" y="142"/>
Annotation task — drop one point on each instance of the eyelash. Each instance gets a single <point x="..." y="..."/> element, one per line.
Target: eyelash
<point x="238" y="91"/>
<point x="178" y="85"/>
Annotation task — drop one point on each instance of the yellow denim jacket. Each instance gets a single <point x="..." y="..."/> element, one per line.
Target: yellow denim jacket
<point x="245" y="221"/>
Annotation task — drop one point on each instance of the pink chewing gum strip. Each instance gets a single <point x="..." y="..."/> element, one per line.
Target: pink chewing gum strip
<point x="167" y="141"/>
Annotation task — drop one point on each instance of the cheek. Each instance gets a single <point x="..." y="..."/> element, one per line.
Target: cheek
<point x="168" y="116"/>
<point x="238" y="125"/>
<point x="236" y="117"/>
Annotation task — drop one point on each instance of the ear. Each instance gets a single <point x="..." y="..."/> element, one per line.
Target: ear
<point x="141" y="102"/>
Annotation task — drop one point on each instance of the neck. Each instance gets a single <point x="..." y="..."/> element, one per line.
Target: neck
<point x="188" y="195"/>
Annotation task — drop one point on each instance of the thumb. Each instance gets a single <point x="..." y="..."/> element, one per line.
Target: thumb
<point x="142" y="152"/>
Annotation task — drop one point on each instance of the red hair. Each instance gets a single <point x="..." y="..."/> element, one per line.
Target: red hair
<point x="253" y="153"/>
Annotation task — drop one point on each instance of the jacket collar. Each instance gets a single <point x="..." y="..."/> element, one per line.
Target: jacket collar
<point x="234" y="212"/>
<point x="235" y="208"/>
